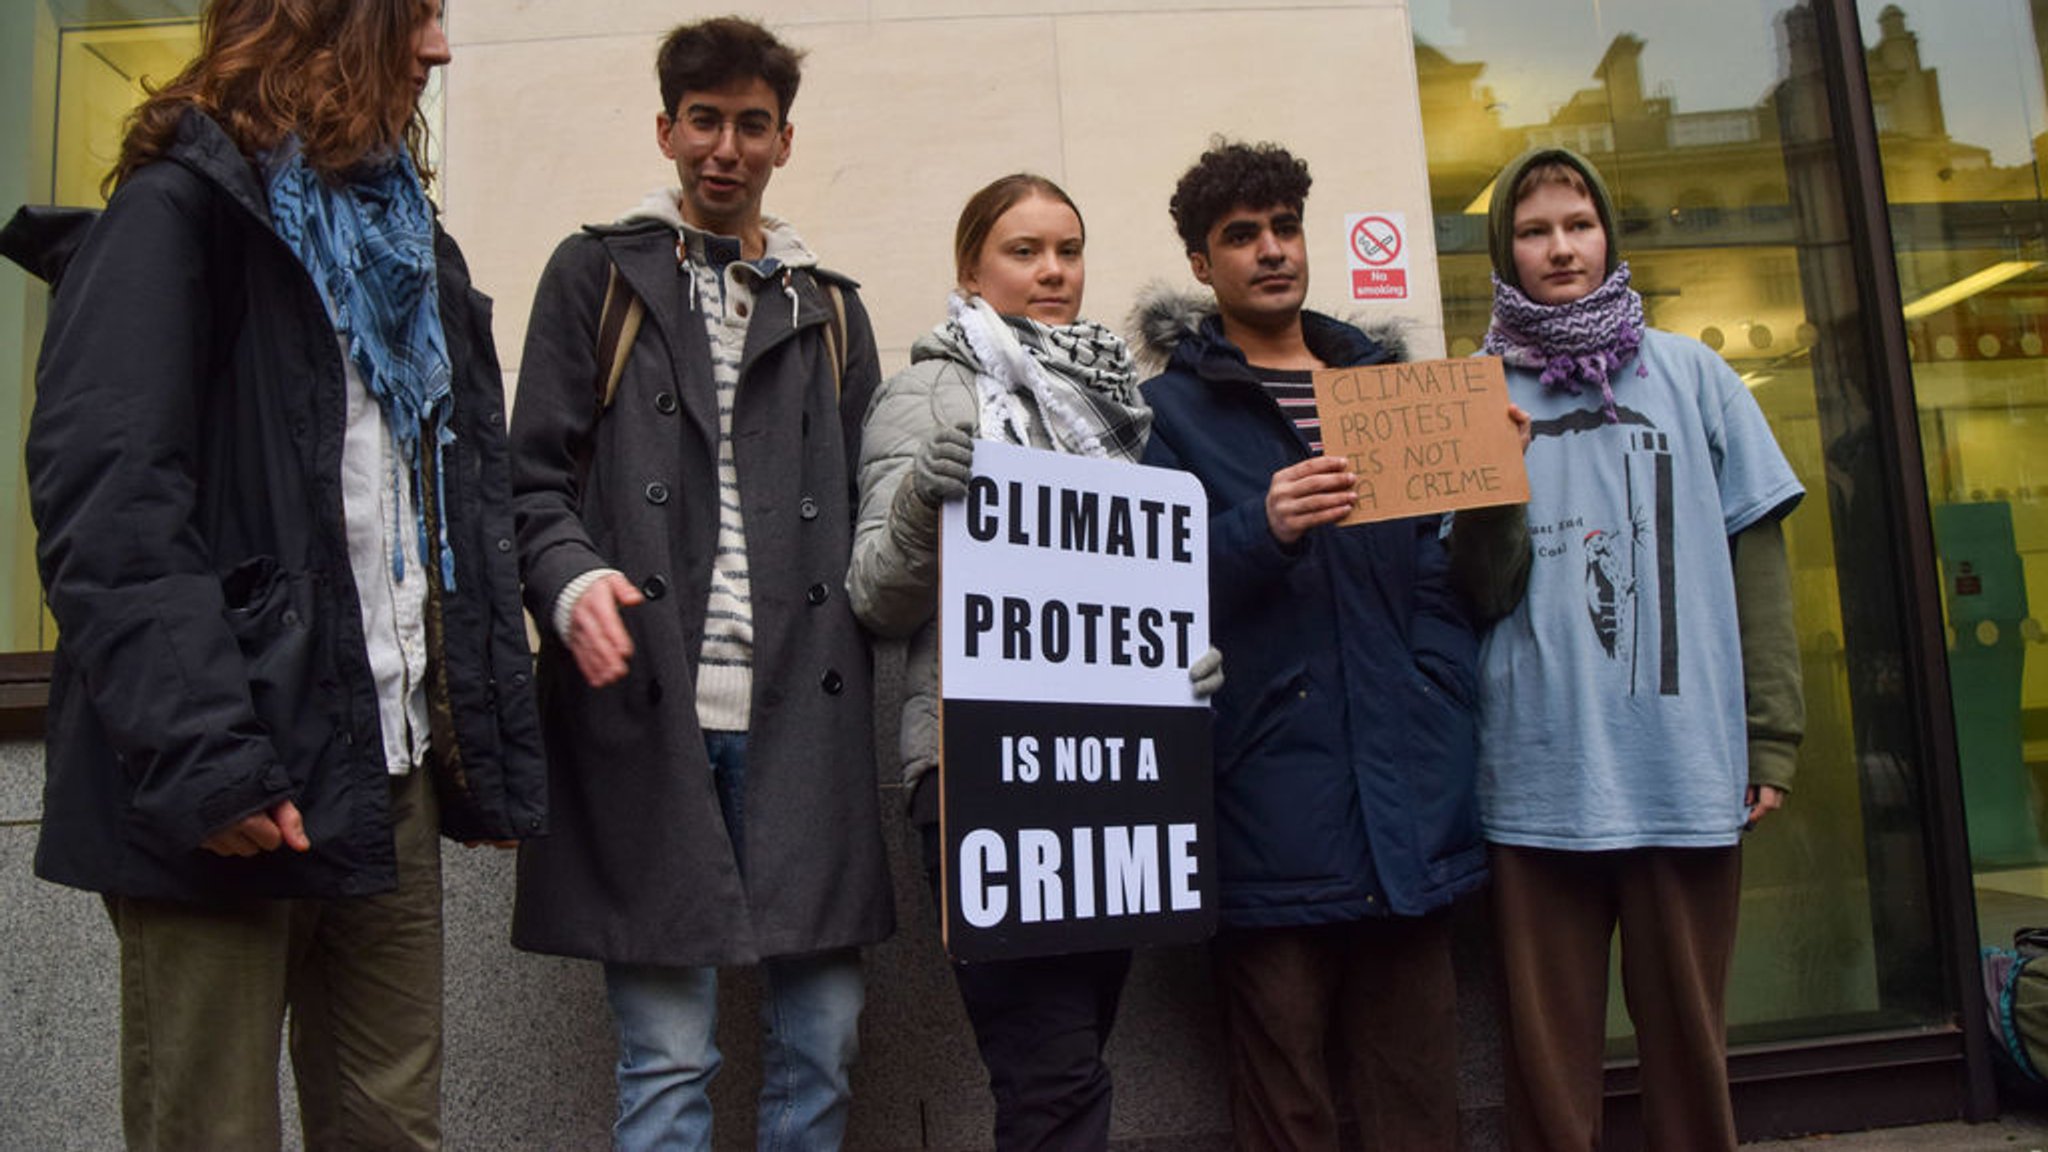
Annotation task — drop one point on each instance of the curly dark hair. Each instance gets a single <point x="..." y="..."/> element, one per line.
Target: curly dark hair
<point x="1234" y="174"/>
<point x="713" y="53"/>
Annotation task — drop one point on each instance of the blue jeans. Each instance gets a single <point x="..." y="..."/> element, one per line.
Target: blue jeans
<point x="668" y="1022"/>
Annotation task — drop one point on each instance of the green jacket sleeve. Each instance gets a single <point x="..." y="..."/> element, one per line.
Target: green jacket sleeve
<point x="1774" y="696"/>
<point x="1490" y="559"/>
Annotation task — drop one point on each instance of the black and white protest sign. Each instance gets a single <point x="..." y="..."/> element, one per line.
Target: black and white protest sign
<point x="1074" y="764"/>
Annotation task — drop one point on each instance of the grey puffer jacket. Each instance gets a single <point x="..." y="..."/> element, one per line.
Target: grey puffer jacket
<point x="894" y="578"/>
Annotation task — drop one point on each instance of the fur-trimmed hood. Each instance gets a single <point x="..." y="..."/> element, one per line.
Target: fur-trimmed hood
<point x="1164" y="317"/>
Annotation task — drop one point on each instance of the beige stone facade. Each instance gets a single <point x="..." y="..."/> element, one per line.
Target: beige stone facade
<point x="908" y="106"/>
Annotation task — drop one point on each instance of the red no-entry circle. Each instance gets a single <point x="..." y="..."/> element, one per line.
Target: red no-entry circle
<point x="1376" y="241"/>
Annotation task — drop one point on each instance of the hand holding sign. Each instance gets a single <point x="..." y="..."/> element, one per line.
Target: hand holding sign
<point x="1319" y="490"/>
<point x="1431" y="436"/>
<point x="943" y="465"/>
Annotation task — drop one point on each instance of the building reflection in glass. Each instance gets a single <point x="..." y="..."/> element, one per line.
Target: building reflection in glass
<point x="1733" y="219"/>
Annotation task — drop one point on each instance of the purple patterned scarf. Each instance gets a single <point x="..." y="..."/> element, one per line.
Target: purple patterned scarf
<point x="1583" y="342"/>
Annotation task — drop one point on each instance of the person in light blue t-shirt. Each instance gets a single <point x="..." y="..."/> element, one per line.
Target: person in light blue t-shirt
<point x="1640" y="696"/>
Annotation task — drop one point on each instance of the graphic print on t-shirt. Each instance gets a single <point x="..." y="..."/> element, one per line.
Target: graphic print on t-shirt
<point x="1630" y="566"/>
<point x="1610" y="590"/>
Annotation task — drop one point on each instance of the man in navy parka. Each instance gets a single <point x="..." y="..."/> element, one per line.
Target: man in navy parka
<point x="1345" y="734"/>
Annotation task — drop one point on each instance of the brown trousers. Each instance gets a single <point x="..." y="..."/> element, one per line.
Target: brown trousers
<point x="1556" y="913"/>
<point x="204" y="994"/>
<point x="1381" y="991"/>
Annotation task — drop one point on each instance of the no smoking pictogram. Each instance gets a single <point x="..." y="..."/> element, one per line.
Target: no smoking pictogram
<point x="1376" y="253"/>
<point x="1376" y="240"/>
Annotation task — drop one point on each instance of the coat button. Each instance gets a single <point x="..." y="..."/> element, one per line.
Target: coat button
<point x="818" y="594"/>
<point x="504" y="544"/>
<point x="831" y="683"/>
<point x="654" y="587"/>
<point x="741" y="309"/>
<point x="665" y="403"/>
<point x="807" y="508"/>
<point x="657" y="493"/>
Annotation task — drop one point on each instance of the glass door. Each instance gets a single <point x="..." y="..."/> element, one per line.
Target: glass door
<point x="73" y="70"/>
<point x="1961" y="122"/>
<point x="1713" y="128"/>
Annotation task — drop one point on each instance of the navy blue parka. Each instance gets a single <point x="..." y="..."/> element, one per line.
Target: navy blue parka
<point x="184" y="469"/>
<point x="1346" y="734"/>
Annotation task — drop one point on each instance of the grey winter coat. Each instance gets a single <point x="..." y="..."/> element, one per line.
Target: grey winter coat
<point x="894" y="579"/>
<point x="639" y="867"/>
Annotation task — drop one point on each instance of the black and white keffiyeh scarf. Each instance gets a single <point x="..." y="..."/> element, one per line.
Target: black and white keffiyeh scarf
<point x="1077" y="380"/>
<point x="1583" y="342"/>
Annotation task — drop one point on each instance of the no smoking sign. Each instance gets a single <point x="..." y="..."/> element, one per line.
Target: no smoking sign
<point x="1376" y="249"/>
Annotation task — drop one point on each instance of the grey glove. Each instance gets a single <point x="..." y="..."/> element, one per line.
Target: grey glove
<point x="944" y="461"/>
<point x="938" y="472"/>
<point x="1206" y="674"/>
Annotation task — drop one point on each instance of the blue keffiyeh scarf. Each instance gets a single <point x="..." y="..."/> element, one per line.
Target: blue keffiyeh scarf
<point x="368" y="242"/>
<point x="1583" y="342"/>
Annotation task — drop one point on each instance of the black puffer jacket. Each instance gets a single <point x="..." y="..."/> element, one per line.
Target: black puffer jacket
<point x="184" y="471"/>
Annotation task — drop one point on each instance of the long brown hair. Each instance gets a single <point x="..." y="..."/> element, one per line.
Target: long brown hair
<point x="339" y="73"/>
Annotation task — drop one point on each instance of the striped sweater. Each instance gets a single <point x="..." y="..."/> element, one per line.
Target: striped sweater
<point x="723" y="289"/>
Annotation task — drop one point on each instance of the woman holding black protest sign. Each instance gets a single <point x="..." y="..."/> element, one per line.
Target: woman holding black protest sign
<point x="1013" y="362"/>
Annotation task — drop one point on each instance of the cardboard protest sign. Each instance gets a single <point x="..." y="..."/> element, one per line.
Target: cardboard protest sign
<point x="1075" y="798"/>
<point x="1431" y="436"/>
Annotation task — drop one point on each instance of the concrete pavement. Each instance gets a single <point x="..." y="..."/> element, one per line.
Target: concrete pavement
<point x="2014" y="1132"/>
